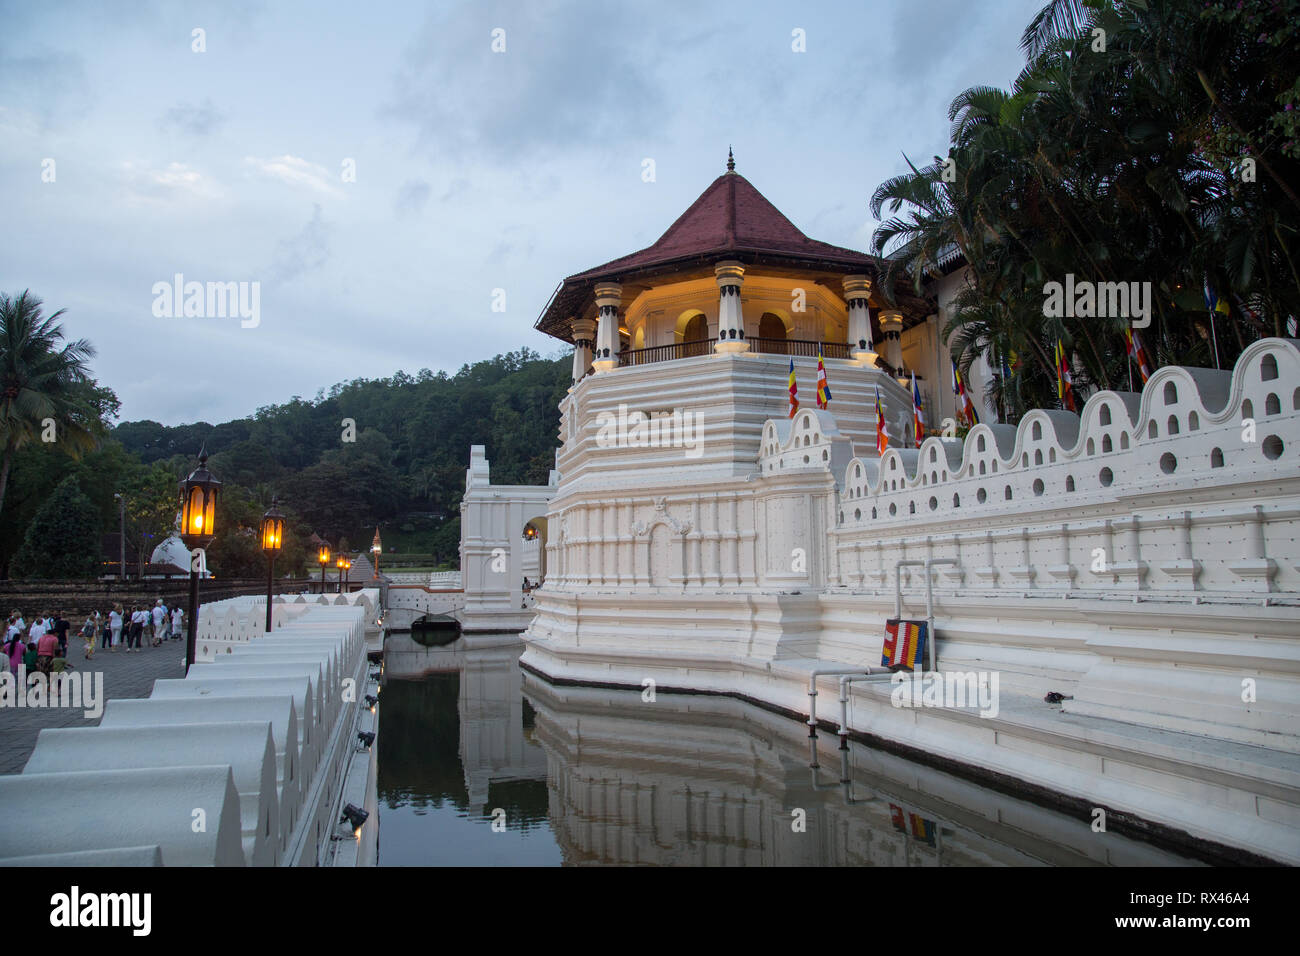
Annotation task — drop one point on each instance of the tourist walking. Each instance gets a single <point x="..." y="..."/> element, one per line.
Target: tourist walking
<point x="134" y="629"/>
<point x="159" y="620"/>
<point x="61" y="626"/>
<point x="46" y="648"/>
<point x="90" y="634"/>
<point x="37" y="630"/>
<point x="178" y="623"/>
<point x="14" y="649"/>
<point x="115" y="622"/>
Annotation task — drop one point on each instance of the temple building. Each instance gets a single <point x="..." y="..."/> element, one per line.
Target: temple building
<point x="1128" y="577"/>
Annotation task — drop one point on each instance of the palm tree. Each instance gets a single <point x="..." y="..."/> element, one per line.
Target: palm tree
<point x="43" y="382"/>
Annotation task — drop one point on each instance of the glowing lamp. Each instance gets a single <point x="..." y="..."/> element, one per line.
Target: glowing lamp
<point x="198" y="494"/>
<point x="272" y="528"/>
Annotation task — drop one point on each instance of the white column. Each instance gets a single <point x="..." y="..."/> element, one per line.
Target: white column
<point x="856" y="291"/>
<point x="891" y="326"/>
<point x="584" y="331"/>
<point x="609" y="296"/>
<point x="731" y="324"/>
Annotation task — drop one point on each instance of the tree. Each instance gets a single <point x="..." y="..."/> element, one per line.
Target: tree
<point x="63" y="540"/>
<point x="42" y="383"/>
<point x="1124" y="152"/>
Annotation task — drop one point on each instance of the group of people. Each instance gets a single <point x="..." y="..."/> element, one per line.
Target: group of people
<point x="45" y="642"/>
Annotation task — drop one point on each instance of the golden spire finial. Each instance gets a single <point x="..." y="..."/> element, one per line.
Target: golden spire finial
<point x="731" y="161"/>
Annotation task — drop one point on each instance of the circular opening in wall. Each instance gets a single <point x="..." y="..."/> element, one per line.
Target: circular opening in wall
<point x="980" y="496"/>
<point x="1038" y="486"/>
<point x="1272" y="448"/>
<point x="857" y="514"/>
<point x="934" y="503"/>
<point x="1168" y="463"/>
<point x="1105" y="477"/>
<point x="893" y="510"/>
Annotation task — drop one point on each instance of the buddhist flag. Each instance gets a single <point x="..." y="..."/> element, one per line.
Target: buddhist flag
<point x="1215" y="303"/>
<point x="1064" y="382"/>
<point x="882" y="436"/>
<point x="919" y="426"/>
<point x="965" y="407"/>
<point x="1138" y="354"/>
<point x="904" y="644"/>
<point x="823" y="386"/>
<point x="921" y="828"/>
<point x="794" y="391"/>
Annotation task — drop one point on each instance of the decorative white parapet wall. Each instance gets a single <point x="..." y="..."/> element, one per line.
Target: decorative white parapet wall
<point x="249" y="760"/>
<point x="1141" y="559"/>
<point x="494" y="555"/>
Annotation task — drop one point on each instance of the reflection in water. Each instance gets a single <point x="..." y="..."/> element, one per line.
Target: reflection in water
<point x="600" y="776"/>
<point x="457" y="745"/>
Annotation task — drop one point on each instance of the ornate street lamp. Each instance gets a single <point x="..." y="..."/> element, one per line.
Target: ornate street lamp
<point x="323" y="557"/>
<point x="347" y="574"/>
<point x="272" y="538"/>
<point x="339" y="565"/>
<point x="376" y="548"/>
<point x="530" y="532"/>
<point x="198" y="527"/>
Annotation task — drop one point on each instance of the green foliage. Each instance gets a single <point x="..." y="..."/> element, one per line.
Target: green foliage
<point x="1122" y="161"/>
<point x="409" y="455"/>
<point x="62" y="540"/>
<point x="44" y="382"/>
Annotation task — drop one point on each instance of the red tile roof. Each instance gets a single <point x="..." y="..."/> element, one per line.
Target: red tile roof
<point x="730" y="219"/>
<point x="731" y="216"/>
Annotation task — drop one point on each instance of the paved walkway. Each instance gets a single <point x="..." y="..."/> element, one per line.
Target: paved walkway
<point x="125" y="675"/>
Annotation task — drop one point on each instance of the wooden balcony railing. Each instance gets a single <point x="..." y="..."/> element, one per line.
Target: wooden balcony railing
<point x="797" y="348"/>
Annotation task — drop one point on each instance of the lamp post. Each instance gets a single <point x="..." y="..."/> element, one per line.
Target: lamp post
<point x="376" y="548"/>
<point x="272" y="535"/>
<point x="339" y="565"/>
<point x="198" y="523"/>
<point x="323" y="556"/>
<point x="347" y="574"/>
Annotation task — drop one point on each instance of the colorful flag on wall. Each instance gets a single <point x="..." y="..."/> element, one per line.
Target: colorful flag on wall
<point x="882" y="435"/>
<point x="965" y="407"/>
<point x="918" y="427"/>
<point x="904" y="644"/>
<point x="1138" y="354"/>
<point x="1064" y="381"/>
<point x="794" y="391"/>
<point x="921" y="828"/>
<point x="823" y="386"/>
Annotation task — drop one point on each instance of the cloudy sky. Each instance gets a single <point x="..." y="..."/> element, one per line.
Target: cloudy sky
<point x="475" y="170"/>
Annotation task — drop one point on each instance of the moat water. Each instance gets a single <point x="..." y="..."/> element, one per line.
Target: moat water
<point x="484" y="764"/>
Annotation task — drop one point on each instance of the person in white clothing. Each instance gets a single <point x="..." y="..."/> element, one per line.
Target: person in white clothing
<point x="38" y="630"/>
<point x="178" y="624"/>
<point x="159" y="617"/>
<point x="115" y="624"/>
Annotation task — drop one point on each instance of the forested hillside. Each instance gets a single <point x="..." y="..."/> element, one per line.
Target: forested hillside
<point x="370" y="452"/>
<point x="389" y="452"/>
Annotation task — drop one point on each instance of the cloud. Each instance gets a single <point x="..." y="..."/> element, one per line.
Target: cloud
<point x="462" y="98"/>
<point x="144" y="183"/>
<point x="412" y="197"/>
<point x="296" y="172"/>
<point x="193" y="120"/>
<point x="305" y="252"/>
<point x="49" y="85"/>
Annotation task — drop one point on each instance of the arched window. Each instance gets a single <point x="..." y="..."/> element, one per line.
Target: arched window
<point x="695" y="336"/>
<point x="772" y="328"/>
